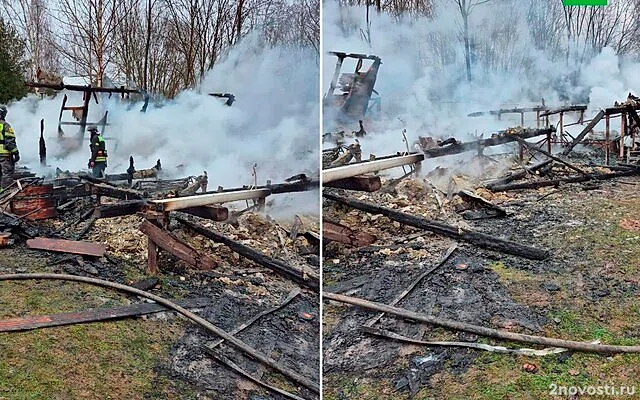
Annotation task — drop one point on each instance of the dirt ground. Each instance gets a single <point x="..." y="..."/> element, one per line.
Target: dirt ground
<point x="586" y="290"/>
<point x="158" y="356"/>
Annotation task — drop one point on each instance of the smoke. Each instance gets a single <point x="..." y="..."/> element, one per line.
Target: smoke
<point x="273" y="122"/>
<point x="422" y="80"/>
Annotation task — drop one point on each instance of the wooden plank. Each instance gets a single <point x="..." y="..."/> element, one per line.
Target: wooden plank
<point x="91" y="315"/>
<point x="67" y="246"/>
<point x="167" y="242"/>
<point x="152" y="257"/>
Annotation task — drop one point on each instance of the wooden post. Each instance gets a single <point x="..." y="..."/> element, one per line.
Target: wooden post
<point x="623" y="128"/>
<point x="152" y="264"/>
<point x="561" y="128"/>
<point x="538" y="119"/>
<point x="522" y="119"/>
<point x="581" y="116"/>
<point x="549" y="138"/>
<point x="607" y="139"/>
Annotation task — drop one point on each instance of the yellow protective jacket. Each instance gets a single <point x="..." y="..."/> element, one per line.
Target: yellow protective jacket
<point x="7" y="139"/>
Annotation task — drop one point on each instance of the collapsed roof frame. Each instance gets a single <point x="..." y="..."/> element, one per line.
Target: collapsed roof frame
<point x="230" y="97"/>
<point x="357" y="87"/>
<point x="80" y="113"/>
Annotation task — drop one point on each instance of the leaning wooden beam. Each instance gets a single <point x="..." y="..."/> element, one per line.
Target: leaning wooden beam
<point x="347" y="171"/>
<point x="480" y="330"/>
<point x="360" y="183"/>
<point x="67" y="246"/>
<point x="503" y="137"/>
<point x="115" y="192"/>
<point x="342" y="234"/>
<point x="519" y="175"/>
<point x="546" y="153"/>
<point x="167" y="242"/>
<point x="556" y="182"/>
<point x="179" y="203"/>
<point x="633" y="114"/>
<point x="584" y="132"/>
<point x="214" y="213"/>
<point x="303" y="276"/>
<point x="91" y="315"/>
<point x="477" y="238"/>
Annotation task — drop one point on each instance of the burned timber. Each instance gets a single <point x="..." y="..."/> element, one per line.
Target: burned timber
<point x="514" y="270"/>
<point x="247" y="283"/>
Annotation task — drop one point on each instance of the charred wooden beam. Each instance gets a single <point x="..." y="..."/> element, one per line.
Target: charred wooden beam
<point x="477" y="238"/>
<point x="342" y="234"/>
<point x="584" y="132"/>
<point x="556" y="182"/>
<point x="520" y="174"/>
<point x="102" y="189"/>
<point x="472" y="197"/>
<point x="214" y="213"/>
<point x="563" y="110"/>
<point x="517" y="110"/>
<point x="300" y="186"/>
<point x="302" y="276"/>
<point x="120" y="209"/>
<point x="168" y="242"/>
<point x="546" y="153"/>
<point x="503" y="137"/>
<point x="360" y="183"/>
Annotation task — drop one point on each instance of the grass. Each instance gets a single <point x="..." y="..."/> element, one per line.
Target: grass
<point x="103" y="360"/>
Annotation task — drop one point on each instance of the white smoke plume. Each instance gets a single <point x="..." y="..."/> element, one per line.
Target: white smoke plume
<point x="273" y="122"/>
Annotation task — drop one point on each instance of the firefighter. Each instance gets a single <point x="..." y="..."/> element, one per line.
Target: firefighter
<point x="9" y="155"/>
<point x="98" y="160"/>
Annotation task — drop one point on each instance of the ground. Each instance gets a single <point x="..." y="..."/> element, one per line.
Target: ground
<point x="158" y="356"/>
<point x="587" y="290"/>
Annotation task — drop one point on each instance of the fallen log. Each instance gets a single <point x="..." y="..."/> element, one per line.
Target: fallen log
<point x="167" y="242"/>
<point x="584" y="132"/>
<point x="91" y="315"/>
<point x="520" y="174"/>
<point x="239" y="344"/>
<point x="546" y="153"/>
<point x="556" y="182"/>
<point x="120" y="209"/>
<point x="481" y="330"/>
<point x="302" y="276"/>
<point x="342" y="234"/>
<point x="67" y="246"/>
<point x="473" y="237"/>
<point x="360" y="183"/>
<point x="214" y="213"/>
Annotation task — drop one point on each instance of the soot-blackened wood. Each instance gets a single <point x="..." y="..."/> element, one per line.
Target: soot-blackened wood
<point x="308" y="278"/>
<point x="476" y="238"/>
<point x="502" y="138"/>
<point x="359" y="183"/>
<point x="546" y="153"/>
<point x="556" y="182"/>
<point x="167" y="242"/>
<point x="584" y="132"/>
<point x="103" y="189"/>
<point x="128" y="207"/>
<point x="520" y="174"/>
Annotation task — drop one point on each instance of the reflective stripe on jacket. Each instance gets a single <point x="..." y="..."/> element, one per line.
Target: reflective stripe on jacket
<point x="7" y="139"/>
